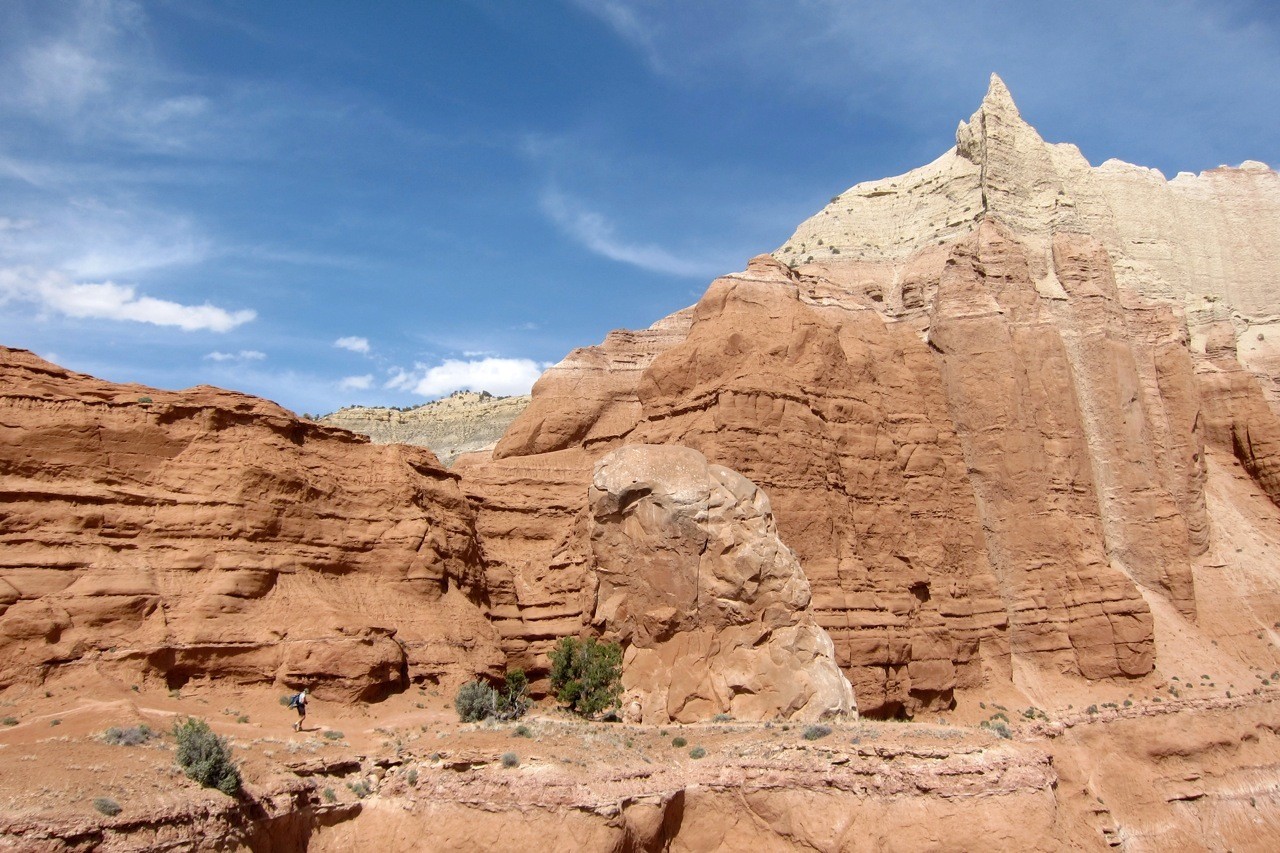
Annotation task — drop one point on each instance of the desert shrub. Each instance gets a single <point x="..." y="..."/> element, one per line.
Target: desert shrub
<point x="1092" y="709"/>
<point x="679" y="742"/>
<point x="9" y="721"/>
<point x="55" y="722"/>
<point x="510" y="759"/>
<point x="205" y="757"/>
<point x="816" y="732"/>
<point x="513" y="699"/>
<point x="243" y="718"/>
<point x="131" y="736"/>
<point x="697" y="752"/>
<point x="722" y="718"/>
<point x="522" y="731"/>
<point x="361" y="789"/>
<point x="334" y="734"/>
<point x="107" y="806"/>
<point x="1001" y="730"/>
<point x="412" y="776"/>
<point x="475" y="701"/>
<point x="284" y="700"/>
<point x="587" y="674"/>
<point x="478" y="701"/>
<point x="330" y="796"/>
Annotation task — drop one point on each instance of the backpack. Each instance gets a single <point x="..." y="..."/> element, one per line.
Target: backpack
<point x="295" y="700"/>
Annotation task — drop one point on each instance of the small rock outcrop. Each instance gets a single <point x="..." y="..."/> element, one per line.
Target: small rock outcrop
<point x="711" y="604"/>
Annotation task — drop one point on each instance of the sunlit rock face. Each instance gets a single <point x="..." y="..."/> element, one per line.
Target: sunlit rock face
<point x="205" y="534"/>
<point x="711" y="605"/>
<point x="979" y="396"/>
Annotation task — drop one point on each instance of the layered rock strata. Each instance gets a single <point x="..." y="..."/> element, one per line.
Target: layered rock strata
<point x="978" y="395"/>
<point x="711" y="605"/>
<point x="207" y="533"/>
<point x="463" y="422"/>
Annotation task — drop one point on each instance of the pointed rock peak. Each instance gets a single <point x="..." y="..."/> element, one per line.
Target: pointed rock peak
<point x="998" y="101"/>
<point x="997" y="116"/>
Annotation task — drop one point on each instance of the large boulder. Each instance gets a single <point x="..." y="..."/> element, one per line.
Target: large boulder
<point x="712" y="606"/>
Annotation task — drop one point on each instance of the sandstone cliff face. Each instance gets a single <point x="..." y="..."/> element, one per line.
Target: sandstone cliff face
<point x="207" y="533"/>
<point x="979" y="401"/>
<point x="463" y="422"/>
<point x="710" y="604"/>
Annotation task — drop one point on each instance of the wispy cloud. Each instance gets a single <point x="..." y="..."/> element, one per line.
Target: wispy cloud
<point x="353" y="343"/>
<point x="501" y="376"/>
<point x="627" y="23"/>
<point x="242" y="355"/>
<point x="52" y="291"/>
<point x="598" y="234"/>
<point x="94" y="73"/>
<point x="1096" y="66"/>
<point x="357" y="383"/>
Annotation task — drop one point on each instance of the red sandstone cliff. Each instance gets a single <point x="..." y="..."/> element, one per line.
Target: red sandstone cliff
<point x="200" y="533"/>
<point x="980" y="407"/>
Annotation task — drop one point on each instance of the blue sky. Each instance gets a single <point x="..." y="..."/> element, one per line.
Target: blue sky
<point x="336" y="203"/>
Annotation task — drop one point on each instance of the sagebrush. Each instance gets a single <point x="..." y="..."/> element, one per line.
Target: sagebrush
<point x="478" y="701"/>
<point x="206" y="757"/>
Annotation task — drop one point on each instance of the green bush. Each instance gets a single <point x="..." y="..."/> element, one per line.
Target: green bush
<point x="816" y="732"/>
<point x="475" y="701"/>
<point x="522" y="731"/>
<point x="334" y="734"/>
<point x="205" y="757"/>
<point x="697" y="752"/>
<point x="107" y="806"/>
<point x="679" y="742"/>
<point x="587" y="674"/>
<point x="330" y="796"/>
<point x="9" y="721"/>
<point x="510" y="759"/>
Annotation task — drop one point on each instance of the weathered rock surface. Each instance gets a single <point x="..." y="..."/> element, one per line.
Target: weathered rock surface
<point x="463" y="422"/>
<point x="207" y="533"/>
<point x="711" y="605"/>
<point x="978" y="399"/>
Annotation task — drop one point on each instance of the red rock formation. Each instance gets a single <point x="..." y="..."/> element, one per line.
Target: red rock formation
<point x="979" y="424"/>
<point x="205" y="533"/>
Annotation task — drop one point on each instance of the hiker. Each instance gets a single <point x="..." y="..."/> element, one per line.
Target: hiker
<point x="299" y="701"/>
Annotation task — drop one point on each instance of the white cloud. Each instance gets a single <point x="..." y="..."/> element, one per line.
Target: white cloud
<point x="598" y="234"/>
<point x="360" y="345"/>
<point x="357" y="383"/>
<point x="107" y="300"/>
<point x="242" y="355"/>
<point x="500" y="376"/>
